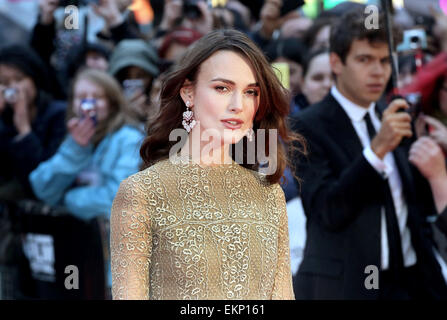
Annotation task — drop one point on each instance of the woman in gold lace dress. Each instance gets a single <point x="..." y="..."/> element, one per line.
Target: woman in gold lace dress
<point x="196" y="224"/>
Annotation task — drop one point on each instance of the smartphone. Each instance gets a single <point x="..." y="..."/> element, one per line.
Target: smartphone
<point x="413" y="39"/>
<point x="10" y="95"/>
<point x="88" y="109"/>
<point x="130" y="86"/>
<point x="283" y="73"/>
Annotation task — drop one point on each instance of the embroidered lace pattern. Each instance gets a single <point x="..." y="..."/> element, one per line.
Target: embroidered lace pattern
<point x="185" y="231"/>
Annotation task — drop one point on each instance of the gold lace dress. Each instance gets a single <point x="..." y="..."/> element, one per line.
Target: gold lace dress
<point x="186" y="231"/>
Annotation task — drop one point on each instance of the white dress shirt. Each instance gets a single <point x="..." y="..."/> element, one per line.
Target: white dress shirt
<point x="388" y="169"/>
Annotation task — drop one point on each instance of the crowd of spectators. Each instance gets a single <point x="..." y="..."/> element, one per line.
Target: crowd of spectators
<point x="74" y="102"/>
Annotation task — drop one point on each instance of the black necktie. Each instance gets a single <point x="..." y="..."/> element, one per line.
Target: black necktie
<point x="396" y="260"/>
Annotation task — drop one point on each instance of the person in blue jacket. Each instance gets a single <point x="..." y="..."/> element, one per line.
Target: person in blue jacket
<point x="101" y="150"/>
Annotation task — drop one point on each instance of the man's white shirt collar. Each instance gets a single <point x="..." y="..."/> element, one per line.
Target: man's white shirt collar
<point x="355" y="112"/>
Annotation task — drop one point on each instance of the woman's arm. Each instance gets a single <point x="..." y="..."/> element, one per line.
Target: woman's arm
<point x="120" y="161"/>
<point x="130" y="241"/>
<point x="282" y="287"/>
<point x="53" y="177"/>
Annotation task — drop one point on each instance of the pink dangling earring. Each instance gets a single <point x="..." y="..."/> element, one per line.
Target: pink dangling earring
<point x="188" y="121"/>
<point x="250" y="134"/>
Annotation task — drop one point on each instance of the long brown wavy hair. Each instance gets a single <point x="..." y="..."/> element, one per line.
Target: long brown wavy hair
<point x="271" y="114"/>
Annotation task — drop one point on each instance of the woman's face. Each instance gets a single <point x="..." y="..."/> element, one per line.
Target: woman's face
<point x="225" y="96"/>
<point x="87" y="89"/>
<point x="443" y="97"/>
<point x="318" y="79"/>
<point x="11" y="77"/>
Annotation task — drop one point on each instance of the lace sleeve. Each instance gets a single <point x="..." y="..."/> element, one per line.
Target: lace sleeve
<point x="130" y="241"/>
<point x="283" y="289"/>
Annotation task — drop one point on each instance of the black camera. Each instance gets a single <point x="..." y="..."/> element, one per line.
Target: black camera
<point x="191" y="10"/>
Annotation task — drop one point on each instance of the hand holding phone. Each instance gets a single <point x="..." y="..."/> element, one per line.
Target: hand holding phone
<point x="81" y="131"/>
<point x="88" y="109"/>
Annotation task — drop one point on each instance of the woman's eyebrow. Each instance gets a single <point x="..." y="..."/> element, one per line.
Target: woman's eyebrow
<point x="233" y="83"/>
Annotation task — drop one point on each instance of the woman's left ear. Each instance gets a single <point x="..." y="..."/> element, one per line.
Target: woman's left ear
<point x="187" y="92"/>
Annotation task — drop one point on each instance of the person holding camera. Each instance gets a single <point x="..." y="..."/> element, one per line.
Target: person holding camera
<point x="31" y="122"/>
<point x="134" y="63"/>
<point x="101" y="149"/>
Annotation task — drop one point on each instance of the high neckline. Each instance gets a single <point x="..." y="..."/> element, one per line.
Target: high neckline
<point x="187" y="160"/>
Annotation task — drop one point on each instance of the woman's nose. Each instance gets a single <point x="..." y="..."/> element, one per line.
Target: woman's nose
<point x="236" y="103"/>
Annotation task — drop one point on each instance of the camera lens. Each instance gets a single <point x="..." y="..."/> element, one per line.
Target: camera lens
<point x="88" y="106"/>
<point x="88" y="109"/>
<point x="414" y="39"/>
<point x="10" y="95"/>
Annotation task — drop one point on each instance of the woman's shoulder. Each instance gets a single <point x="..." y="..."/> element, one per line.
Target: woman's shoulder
<point x="148" y="175"/>
<point x="260" y="177"/>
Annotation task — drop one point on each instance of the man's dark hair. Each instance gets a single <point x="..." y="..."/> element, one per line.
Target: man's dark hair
<point x="352" y="27"/>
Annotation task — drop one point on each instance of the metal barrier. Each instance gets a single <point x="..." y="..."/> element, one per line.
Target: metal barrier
<point x="57" y="256"/>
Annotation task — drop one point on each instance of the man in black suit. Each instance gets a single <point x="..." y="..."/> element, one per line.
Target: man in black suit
<point x="366" y="206"/>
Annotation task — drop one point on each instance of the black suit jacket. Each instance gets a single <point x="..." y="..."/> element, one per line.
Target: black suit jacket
<point x="441" y="222"/>
<point x="342" y="199"/>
